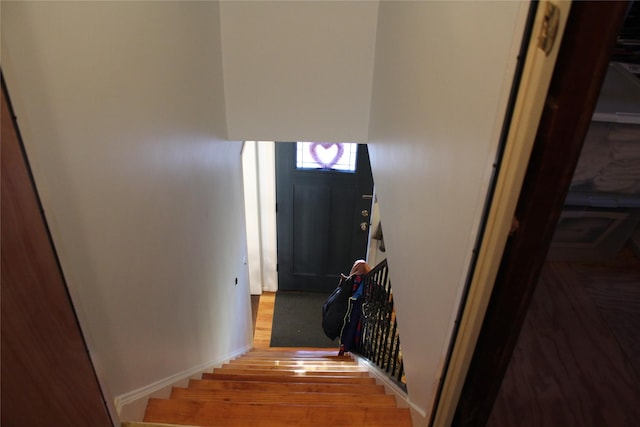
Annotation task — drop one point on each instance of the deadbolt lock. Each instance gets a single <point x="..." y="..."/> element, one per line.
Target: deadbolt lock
<point x="364" y="213"/>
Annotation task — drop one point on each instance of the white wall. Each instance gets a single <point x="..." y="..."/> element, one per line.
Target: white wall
<point x="121" y="107"/>
<point x="298" y="70"/>
<point x="442" y="74"/>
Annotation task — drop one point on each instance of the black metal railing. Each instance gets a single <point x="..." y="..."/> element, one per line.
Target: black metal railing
<point x="380" y="340"/>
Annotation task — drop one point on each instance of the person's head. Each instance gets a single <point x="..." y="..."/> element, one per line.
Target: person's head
<point x="360" y="267"/>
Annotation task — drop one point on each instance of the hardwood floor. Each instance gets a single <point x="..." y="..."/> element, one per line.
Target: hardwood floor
<point x="255" y="300"/>
<point x="264" y="318"/>
<point x="577" y="362"/>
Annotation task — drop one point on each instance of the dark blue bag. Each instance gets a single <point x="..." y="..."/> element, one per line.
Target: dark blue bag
<point x="335" y="308"/>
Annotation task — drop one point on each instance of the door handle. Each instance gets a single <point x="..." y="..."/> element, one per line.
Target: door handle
<point x="364" y="226"/>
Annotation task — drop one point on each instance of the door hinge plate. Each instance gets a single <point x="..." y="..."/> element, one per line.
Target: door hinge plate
<point x="549" y="29"/>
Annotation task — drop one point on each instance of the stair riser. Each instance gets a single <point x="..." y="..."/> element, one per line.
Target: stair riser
<point x="288" y="378"/>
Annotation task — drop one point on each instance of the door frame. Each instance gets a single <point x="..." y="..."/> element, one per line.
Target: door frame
<point x="537" y="69"/>
<point x="587" y="44"/>
<point x="258" y="175"/>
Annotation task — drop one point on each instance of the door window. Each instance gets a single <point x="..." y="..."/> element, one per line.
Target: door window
<point x="328" y="156"/>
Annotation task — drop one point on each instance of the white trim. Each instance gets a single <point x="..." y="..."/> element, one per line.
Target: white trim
<point x="145" y="392"/>
<point x="266" y="164"/>
<point x="253" y="258"/>
<point x="402" y="398"/>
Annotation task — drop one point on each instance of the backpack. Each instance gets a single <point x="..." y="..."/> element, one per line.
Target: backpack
<point x="335" y="308"/>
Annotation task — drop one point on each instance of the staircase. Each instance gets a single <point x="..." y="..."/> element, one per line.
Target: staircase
<point x="281" y="387"/>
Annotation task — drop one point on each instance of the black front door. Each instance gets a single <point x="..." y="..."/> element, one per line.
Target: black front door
<point x="323" y="214"/>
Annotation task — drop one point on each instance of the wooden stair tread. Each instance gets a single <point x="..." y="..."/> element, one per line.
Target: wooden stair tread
<point x="290" y="373"/>
<point x="238" y="414"/>
<point x="278" y="362"/>
<point x="288" y="397"/>
<point x="297" y="359"/>
<point x="288" y="378"/>
<point x="297" y="352"/>
<point x="287" y="386"/>
<point x="289" y="355"/>
<point x="296" y="355"/>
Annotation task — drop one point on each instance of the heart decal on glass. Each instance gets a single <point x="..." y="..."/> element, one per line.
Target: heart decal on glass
<point x="326" y="154"/>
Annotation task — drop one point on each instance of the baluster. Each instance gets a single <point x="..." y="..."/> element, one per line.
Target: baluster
<point x="396" y="347"/>
<point x="380" y="340"/>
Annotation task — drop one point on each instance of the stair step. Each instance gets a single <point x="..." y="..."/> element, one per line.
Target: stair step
<point x="296" y="355"/>
<point x="282" y="386"/>
<point x="294" y="367"/>
<point x="259" y="415"/>
<point x="289" y="362"/>
<point x="287" y="378"/>
<point x="289" y="373"/>
<point x="289" y="397"/>
<point x="272" y="353"/>
<point x="268" y="355"/>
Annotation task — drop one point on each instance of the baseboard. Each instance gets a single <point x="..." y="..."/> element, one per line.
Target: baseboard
<point x="418" y="415"/>
<point x="131" y="406"/>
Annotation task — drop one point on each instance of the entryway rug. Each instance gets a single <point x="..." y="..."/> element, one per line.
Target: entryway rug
<point x="297" y="320"/>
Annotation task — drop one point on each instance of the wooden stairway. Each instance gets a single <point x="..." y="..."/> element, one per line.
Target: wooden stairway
<point x="280" y="387"/>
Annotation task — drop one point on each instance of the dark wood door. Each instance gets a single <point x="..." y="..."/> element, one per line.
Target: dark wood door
<point x="323" y="216"/>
